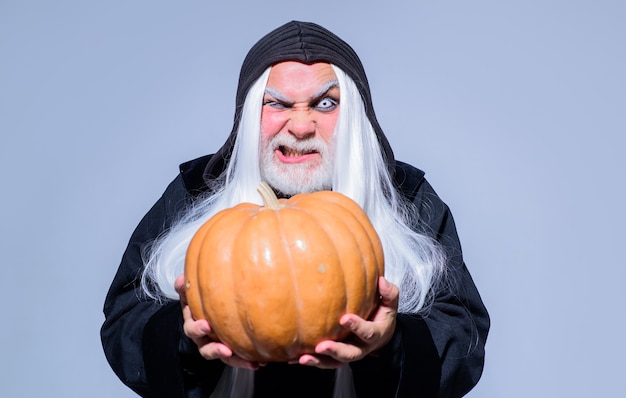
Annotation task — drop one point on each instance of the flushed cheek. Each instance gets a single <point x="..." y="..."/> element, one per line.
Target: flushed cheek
<point x="326" y="127"/>
<point x="271" y="124"/>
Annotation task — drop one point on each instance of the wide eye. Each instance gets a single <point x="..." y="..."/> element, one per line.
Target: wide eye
<point x="327" y="104"/>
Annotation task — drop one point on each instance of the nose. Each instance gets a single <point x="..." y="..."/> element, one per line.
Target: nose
<point x="301" y="123"/>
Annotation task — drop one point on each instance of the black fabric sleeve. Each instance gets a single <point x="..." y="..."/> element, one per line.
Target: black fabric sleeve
<point x="458" y="320"/>
<point x="441" y="353"/>
<point x="160" y="352"/>
<point x="172" y="363"/>
<point x="143" y="339"/>
<point x="408" y="366"/>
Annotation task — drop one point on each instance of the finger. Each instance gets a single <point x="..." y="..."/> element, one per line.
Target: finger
<point x="179" y="286"/>
<point x="368" y="332"/>
<point x="320" y="361"/>
<point x="187" y="315"/>
<point x="339" y="352"/>
<point x="214" y="350"/>
<point x="372" y="334"/>
<point x="194" y="329"/>
<point x="389" y="293"/>
<point x="179" y="283"/>
<point x="237" y="362"/>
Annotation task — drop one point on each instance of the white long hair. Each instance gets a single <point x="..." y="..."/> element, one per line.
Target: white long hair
<point x="413" y="261"/>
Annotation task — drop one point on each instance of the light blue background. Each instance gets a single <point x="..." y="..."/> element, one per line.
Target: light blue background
<point x="516" y="111"/>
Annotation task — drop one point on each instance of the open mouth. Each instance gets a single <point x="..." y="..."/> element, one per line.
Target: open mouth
<point x="288" y="154"/>
<point x="292" y="152"/>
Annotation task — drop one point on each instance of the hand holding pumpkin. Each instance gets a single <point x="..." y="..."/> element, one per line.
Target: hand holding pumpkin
<point x="198" y="331"/>
<point x="274" y="281"/>
<point x="370" y="335"/>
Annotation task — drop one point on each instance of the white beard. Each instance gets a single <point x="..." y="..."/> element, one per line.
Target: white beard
<point x="291" y="179"/>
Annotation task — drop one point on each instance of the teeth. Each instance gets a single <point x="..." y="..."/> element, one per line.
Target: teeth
<point x="287" y="151"/>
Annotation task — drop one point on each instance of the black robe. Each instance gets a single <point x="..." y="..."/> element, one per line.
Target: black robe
<point x="437" y="355"/>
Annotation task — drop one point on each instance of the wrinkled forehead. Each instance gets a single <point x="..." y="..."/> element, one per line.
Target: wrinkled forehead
<point x="293" y="82"/>
<point x="298" y="74"/>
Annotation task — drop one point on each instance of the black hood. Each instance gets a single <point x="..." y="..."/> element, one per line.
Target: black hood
<point x="307" y="43"/>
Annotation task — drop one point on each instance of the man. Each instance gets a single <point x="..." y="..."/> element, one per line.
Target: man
<point x="304" y="122"/>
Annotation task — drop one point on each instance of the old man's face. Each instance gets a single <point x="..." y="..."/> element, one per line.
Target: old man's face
<point x="300" y="109"/>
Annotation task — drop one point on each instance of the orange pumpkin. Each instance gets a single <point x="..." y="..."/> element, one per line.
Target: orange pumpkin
<point x="274" y="280"/>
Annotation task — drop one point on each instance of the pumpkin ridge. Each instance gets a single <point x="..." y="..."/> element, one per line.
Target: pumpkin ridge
<point x="330" y="208"/>
<point x="284" y="241"/>
<point x="320" y="206"/>
<point x="379" y="265"/>
<point x="196" y="276"/>
<point x="368" y="226"/>
<point x="353" y="211"/>
<point x="193" y="270"/>
<point x="368" y="289"/>
<point x="326" y="232"/>
<point x="264" y="306"/>
<point x="241" y="212"/>
<point x="245" y="326"/>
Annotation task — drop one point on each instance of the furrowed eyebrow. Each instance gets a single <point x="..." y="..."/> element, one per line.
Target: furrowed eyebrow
<point x="319" y="93"/>
<point x="325" y="88"/>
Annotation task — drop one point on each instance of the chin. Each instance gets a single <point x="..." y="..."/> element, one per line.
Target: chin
<point x="289" y="180"/>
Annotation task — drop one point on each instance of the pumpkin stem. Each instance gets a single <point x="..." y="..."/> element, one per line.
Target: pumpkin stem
<point x="269" y="197"/>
